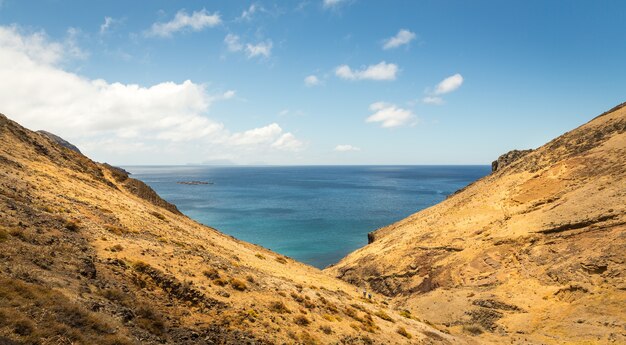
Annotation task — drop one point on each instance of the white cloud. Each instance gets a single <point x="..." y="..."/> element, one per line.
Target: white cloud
<point x="109" y="118"/>
<point x="333" y="3"/>
<point x="346" y="148"/>
<point x="259" y="49"/>
<point x="432" y="100"/>
<point x="380" y="71"/>
<point x="312" y="80"/>
<point x="108" y="21"/>
<point x="233" y="43"/>
<point x="401" y="38"/>
<point x="197" y="21"/>
<point x="389" y="115"/>
<point x="248" y="13"/>
<point x="449" y="84"/>
<point x="288" y="142"/>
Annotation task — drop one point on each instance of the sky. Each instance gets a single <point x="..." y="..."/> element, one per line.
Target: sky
<point x="309" y="82"/>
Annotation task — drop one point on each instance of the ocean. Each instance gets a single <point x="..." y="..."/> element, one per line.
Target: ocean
<point x="314" y="214"/>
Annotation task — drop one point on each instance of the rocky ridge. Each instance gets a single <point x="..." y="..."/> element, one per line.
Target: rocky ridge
<point x="533" y="253"/>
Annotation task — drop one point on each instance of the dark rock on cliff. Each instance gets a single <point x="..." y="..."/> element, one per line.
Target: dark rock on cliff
<point x="57" y="139"/>
<point x="508" y="158"/>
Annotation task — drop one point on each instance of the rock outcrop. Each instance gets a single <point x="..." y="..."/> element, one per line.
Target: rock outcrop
<point x="508" y="158"/>
<point x="57" y="139"/>
<point x="532" y="253"/>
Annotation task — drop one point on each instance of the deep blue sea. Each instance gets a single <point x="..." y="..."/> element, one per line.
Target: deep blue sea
<point x="314" y="214"/>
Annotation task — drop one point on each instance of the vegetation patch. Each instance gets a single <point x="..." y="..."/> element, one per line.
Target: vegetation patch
<point x="238" y="284"/>
<point x="278" y="307"/>
<point x="402" y="331"/>
<point x="158" y="215"/>
<point x="381" y="314"/>
<point x="301" y="320"/>
<point x="57" y="317"/>
<point x="281" y="260"/>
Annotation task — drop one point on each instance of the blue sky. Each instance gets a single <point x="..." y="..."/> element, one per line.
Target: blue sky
<point x="309" y="82"/>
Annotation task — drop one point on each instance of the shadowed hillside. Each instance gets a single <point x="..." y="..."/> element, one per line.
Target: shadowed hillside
<point x="533" y="253"/>
<point x="91" y="256"/>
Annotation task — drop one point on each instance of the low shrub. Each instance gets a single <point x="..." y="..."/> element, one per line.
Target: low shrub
<point x="211" y="273"/>
<point x="473" y="329"/>
<point x="301" y="320"/>
<point x="158" y="215"/>
<point x="278" y="307"/>
<point x="238" y="284"/>
<point x="402" y="331"/>
<point x="381" y="314"/>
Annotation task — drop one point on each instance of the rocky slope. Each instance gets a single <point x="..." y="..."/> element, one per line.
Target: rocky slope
<point x="91" y="256"/>
<point x="533" y="253"/>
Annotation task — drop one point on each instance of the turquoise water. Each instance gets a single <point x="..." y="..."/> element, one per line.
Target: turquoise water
<point x="314" y="214"/>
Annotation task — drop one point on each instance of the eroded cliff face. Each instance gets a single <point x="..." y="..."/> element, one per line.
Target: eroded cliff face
<point x="91" y="256"/>
<point x="534" y="252"/>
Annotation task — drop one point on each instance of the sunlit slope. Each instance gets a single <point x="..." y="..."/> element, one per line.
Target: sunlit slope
<point x="535" y="252"/>
<point x="91" y="256"/>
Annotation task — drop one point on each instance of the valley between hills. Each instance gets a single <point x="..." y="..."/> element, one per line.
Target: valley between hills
<point x="534" y="253"/>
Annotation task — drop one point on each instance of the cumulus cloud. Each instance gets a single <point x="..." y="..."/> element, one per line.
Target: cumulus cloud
<point x="288" y="142"/>
<point x="401" y="38"/>
<point x="234" y="44"/>
<point x="197" y="21"/>
<point x="346" y="148"/>
<point x="311" y="80"/>
<point x="389" y="115"/>
<point x="447" y="85"/>
<point x="109" y="117"/>
<point x="260" y="49"/>
<point x="380" y="71"/>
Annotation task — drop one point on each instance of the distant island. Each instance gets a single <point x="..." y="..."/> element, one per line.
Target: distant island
<point x="194" y="183"/>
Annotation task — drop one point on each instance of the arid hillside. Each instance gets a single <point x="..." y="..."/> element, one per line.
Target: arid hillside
<point x="533" y="253"/>
<point x="91" y="256"/>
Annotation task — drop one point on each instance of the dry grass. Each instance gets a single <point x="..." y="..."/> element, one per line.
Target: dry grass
<point x="56" y="317"/>
<point x="403" y="332"/>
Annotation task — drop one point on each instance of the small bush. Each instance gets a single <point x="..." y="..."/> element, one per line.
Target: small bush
<point x="113" y="294"/>
<point x="220" y="282"/>
<point x="117" y="230"/>
<point x="71" y="226"/>
<point x="473" y="329"/>
<point x="149" y="320"/>
<point x="301" y="320"/>
<point x="326" y="329"/>
<point x="250" y="279"/>
<point x="260" y="256"/>
<point x="116" y="248"/>
<point x="402" y="331"/>
<point x="211" y="273"/>
<point x="381" y="314"/>
<point x="3" y="235"/>
<point x="23" y="327"/>
<point x="158" y="215"/>
<point x="238" y="284"/>
<point x="278" y="307"/>
<point x="281" y="260"/>
<point x="406" y="313"/>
